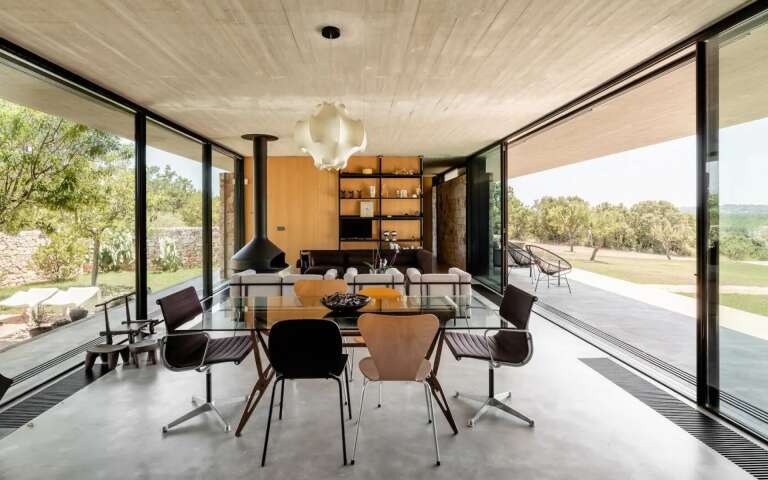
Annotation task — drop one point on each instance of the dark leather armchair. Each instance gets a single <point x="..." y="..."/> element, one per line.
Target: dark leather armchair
<point x="510" y="347"/>
<point x="185" y="350"/>
<point x="304" y="349"/>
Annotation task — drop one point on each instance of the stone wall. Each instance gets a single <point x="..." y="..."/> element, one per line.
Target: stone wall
<point x="16" y="267"/>
<point x="189" y="243"/>
<point x="451" y="222"/>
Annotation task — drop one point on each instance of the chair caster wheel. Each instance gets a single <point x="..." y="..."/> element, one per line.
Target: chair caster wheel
<point x="165" y="430"/>
<point x="437" y="464"/>
<point x="352" y="462"/>
<point x="456" y="395"/>
<point x="378" y="406"/>
<point x="471" y="423"/>
<point x="227" y="429"/>
<point x="532" y="423"/>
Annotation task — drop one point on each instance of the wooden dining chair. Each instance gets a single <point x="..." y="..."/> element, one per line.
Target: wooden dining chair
<point x="380" y="292"/>
<point x="319" y="288"/>
<point x="398" y="345"/>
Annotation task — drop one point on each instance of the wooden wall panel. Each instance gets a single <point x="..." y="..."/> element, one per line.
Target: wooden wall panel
<point x="300" y="198"/>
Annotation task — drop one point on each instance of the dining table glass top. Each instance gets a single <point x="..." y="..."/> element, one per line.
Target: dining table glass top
<point x="260" y="313"/>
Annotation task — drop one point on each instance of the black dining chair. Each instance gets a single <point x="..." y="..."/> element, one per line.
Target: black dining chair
<point x="305" y="349"/>
<point x="189" y="350"/>
<point x="511" y="347"/>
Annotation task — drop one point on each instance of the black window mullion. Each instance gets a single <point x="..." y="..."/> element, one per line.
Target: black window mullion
<point x="207" y="221"/>
<point x="140" y="205"/>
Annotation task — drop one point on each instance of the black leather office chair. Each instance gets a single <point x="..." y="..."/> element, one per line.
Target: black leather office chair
<point x="5" y="384"/>
<point x="196" y="350"/>
<point x="512" y="347"/>
<point x="300" y="349"/>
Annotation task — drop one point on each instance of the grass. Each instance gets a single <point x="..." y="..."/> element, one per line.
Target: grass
<point x="114" y="283"/>
<point x="657" y="269"/>
<point x="757" y="304"/>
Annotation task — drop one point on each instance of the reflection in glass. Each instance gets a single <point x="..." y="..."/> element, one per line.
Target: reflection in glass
<point x="484" y="218"/>
<point x="223" y="215"/>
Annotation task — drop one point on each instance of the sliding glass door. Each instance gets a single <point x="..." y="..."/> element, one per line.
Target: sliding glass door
<point x="484" y="214"/>
<point x="738" y="224"/>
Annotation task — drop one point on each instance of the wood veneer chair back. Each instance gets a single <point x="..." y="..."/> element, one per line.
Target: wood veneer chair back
<point x="380" y="292"/>
<point x="398" y="344"/>
<point x="318" y="288"/>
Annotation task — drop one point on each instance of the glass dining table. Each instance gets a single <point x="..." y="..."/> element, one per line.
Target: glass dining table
<point x="256" y="315"/>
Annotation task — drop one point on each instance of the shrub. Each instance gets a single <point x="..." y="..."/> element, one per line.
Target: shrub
<point x="169" y="259"/>
<point x="117" y="253"/>
<point x="739" y="246"/>
<point x="62" y="258"/>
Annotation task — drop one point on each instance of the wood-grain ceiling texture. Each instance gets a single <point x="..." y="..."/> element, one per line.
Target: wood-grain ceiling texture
<point x="432" y="77"/>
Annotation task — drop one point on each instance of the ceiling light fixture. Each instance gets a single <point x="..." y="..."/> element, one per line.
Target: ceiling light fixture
<point x="330" y="136"/>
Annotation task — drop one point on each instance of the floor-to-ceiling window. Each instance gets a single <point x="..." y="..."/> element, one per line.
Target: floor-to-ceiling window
<point x="738" y="235"/>
<point x="174" y="211"/>
<point x="223" y="216"/>
<point x="66" y="216"/>
<point x="606" y="201"/>
<point x="484" y="217"/>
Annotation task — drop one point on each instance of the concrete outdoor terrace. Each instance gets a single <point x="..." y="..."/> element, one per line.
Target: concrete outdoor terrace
<point x="586" y="427"/>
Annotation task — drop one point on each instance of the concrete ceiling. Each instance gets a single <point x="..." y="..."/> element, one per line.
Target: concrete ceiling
<point x="432" y="77"/>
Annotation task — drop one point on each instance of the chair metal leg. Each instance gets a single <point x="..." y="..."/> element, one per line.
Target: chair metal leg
<point x="191" y="414"/>
<point x="282" y="396"/>
<point x="349" y="396"/>
<point x="379" y="394"/>
<point x="513" y="412"/>
<point x="496" y="401"/>
<point x="207" y="405"/>
<point x="359" y="420"/>
<point x="351" y="363"/>
<point x="269" y="422"/>
<point x="341" y="416"/>
<point x="431" y="413"/>
<point x="568" y="284"/>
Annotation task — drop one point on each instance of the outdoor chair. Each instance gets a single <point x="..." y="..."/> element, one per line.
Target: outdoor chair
<point x="306" y="349"/>
<point x="30" y="299"/>
<point x="189" y="350"/>
<point x="519" y="257"/>
<point x="511" y="347"/>
<point x="551" y="265"/>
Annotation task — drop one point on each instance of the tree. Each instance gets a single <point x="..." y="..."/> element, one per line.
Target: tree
<point x="659" y="226"/>
<point x="561" y="218"/>
<point x="608" y="226"/>
<point x="106" y="201"/>
<point x="521" y="219"/>
<point x="170" y="194"/>
<point x="43" y="164"/>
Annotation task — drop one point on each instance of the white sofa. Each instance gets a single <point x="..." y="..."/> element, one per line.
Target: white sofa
<point x="269" y="284"/>
<point x="455" y="282"/>
<point x="391" y="278"/>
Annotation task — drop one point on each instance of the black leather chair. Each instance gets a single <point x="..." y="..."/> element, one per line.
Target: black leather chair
<point x="512" y="347"/>
<point x="5" y="384"/>
<point x="184" y="350"/>
<point x="301" y="349"/>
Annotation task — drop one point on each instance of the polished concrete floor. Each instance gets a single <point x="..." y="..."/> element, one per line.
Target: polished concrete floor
<point x="586" y="428"/>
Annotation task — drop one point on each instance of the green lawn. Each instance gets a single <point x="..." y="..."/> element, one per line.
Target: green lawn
<point x="749" y="303"/>
<point x="115" y="283"/>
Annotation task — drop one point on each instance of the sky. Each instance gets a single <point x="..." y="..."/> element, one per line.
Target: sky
<point x="664" y="171"/>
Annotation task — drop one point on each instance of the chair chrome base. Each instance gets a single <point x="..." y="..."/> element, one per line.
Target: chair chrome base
<point x="496" y="401"/>
<point x="208" y="405"/>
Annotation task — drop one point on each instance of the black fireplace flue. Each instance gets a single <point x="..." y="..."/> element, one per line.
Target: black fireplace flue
<point x="259" y="254"/>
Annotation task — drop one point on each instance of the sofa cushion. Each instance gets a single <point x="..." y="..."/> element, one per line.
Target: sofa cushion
<point x="322" y="269"/>
<point x="359" y="258"/>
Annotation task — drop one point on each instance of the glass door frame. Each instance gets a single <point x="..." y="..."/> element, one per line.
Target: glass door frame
<point x="708" y="392"/>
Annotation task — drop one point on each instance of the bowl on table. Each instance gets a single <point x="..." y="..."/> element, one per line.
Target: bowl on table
<point x="345" y="302"/>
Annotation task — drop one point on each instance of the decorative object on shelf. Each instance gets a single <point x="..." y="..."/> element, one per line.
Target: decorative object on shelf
<point x="393" y="235"/>
<point x="418" y="192"/>
<point x="331" y="136"/>
<point x="358" y="194"/>
<point x="345" y="302"/>
<point x="386" y="235"/>
<point x="404" y="171"/>
<point x="414" y="195"/>
<point x="367" y="171"/>
<point x="372" y="191"/>
<point x="366" y="209"/>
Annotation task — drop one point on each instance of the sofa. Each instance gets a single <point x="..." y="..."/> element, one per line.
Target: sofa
<point x="248" y="283"/>
<point x="455" y="282"/>
<point x="391" y="278"/>
<point x="320" y="261"/>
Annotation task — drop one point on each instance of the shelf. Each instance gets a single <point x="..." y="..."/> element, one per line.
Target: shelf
<point x="380" y="198"/>
<point x="384" y="217"/>
<point x="358" y="240"/>
<point x="361" y="198"/>
<point x="379" y="175"/>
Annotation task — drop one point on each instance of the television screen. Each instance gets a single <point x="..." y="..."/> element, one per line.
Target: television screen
<point x="356" y="228"/>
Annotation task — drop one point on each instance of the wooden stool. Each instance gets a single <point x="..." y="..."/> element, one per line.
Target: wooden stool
<point x="108" y="353"/>
<point x="148" y="346"/>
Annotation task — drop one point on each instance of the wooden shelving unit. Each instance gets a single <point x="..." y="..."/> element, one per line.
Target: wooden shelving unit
<point x="402" y="214"/>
